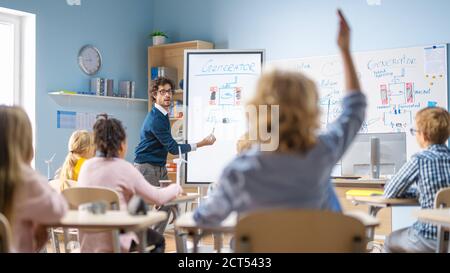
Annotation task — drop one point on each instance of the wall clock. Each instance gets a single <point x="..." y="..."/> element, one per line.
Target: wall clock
<point x="89" y="59"/>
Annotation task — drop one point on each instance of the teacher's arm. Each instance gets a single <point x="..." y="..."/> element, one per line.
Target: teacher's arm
<point x="162" y="133"/>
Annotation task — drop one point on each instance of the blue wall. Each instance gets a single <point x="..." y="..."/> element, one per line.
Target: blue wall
<point x="299" y="28"/>
<point x="303" y="28"/>
<point x="119" y="29"/>
<point x="285" y="28"/>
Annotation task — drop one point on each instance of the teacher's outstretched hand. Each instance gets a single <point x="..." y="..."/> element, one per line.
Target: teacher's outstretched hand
<point x="207" y="141"/>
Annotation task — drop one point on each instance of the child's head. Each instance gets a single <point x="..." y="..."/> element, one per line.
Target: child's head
<point x="81" y="144"/>
<point x="297" y="98"/>
<point x="110" y="137"/>
<point x="433" y="126"/>
<point x="16" y="148"/>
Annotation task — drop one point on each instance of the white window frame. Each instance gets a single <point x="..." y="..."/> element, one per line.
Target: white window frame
<point x="24" y="61"/>
<point x="16" y="22"/>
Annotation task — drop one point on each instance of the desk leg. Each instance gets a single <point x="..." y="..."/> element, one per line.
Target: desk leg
<point x="217" y="237"/>
<point x="443" y="240"/>
<point x="180" y="238"/>
<point x="54" y="240"/>
<point x="116" y="241"/>
<point x="196" y="237"/>
<point x="373" y="211"/>
<point x="66" y="240"/>
<point x="142" y="234"/>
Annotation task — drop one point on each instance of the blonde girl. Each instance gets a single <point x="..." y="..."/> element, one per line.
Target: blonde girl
<point x="81" y="147"/>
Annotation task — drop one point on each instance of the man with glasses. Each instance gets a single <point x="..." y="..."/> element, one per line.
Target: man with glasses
<point x="156" y="138"/>
<point x="157" y="141"/>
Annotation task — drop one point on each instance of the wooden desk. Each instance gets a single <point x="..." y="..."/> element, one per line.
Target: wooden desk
<point x="376" y="203"/>
<point x="186" y="222"/>
<point x="441" y="218"/>
<point x="113" y="220"/>
<point x="359" y="183"/>
<point x="344" y="185"/>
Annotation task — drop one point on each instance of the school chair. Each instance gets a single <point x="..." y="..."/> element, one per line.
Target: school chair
<point x="76" y="196"/>
<point x="442" y="200"/>
<point x="79" y="195"/>
<point x="5" y="235"/>
<point x="55" y="184"/>
<point x="299" y="230"/>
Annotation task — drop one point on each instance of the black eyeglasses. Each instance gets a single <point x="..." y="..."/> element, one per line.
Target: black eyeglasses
<point x="413" y="131"/>
<point x="164" y="92"/>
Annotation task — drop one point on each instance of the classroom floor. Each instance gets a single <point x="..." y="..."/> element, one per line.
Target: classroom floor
<point x="206" y="244"/>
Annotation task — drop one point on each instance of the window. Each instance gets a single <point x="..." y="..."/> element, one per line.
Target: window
<point x="18" y="61"/>
<point x="10" y="59"/>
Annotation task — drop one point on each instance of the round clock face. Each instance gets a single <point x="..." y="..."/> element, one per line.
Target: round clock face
<point x="89" y="59"/>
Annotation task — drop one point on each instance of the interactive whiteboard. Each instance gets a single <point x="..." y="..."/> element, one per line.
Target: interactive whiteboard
<point x="216" y="87"/>
<point x="397" y="83"/>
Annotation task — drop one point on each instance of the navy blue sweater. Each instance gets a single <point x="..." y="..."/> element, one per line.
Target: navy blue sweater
<point x="156" y="140"/>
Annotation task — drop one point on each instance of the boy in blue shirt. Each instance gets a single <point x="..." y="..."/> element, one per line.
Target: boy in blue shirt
<point x="422" y="177"/>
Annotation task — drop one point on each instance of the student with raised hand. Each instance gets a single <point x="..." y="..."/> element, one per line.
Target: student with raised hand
<point x="422" y="177"/>
<point x="109" y="169"/>
<point x="26" y="199"/>
<point x="297" y="173"/>
<point x="81" y="147"/>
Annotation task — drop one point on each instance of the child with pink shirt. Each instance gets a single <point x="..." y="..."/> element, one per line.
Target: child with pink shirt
<point x="109" y="169"/>
<point x="26" y="199"/>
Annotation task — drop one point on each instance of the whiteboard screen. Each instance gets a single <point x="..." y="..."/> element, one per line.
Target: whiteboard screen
<point x="397" y="83"/>
<point x="218" y="84"/>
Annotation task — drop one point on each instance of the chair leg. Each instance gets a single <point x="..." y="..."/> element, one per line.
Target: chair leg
<point x="66" y="240"/>
<point x="55" y="241"/>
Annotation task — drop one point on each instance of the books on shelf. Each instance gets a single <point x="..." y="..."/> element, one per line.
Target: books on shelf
<point x="176" y="109"/>
<point x="102" y="87"/>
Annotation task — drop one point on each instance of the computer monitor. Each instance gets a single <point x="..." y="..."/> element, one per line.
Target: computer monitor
<point x="356" y="160"/>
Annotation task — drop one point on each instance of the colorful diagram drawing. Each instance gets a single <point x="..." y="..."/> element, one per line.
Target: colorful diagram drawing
<point x="224" y="102"/>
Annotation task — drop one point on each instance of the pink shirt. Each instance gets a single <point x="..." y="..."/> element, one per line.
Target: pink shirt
<point x="122" y="177"/>
<point x="35" y="203"/>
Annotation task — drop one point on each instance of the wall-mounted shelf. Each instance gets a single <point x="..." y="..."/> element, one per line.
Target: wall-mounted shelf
<point x="59" y="93"/>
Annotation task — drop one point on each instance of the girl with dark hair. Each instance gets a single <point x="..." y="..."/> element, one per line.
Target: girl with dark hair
<point x="109" y="169"/>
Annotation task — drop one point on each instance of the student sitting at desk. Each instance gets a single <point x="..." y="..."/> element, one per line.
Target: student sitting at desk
<point x="26" y="199"/>
<point x="297" y="173"/>
<point x="109" y="169"/>
<point x="81" y="147"/>
<point x="422" y="176"/>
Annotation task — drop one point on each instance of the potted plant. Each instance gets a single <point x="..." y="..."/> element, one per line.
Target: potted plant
<point x="159" y="37"/>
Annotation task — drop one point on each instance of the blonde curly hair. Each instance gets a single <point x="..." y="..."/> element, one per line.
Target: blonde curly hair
<point x="297" y="98"/>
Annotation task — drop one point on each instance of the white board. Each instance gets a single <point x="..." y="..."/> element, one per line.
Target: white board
<point x="217" y="85"/>
<point x="397" y="83"/>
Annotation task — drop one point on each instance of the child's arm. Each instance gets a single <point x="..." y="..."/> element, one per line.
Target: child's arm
<point x="41" y="203"/>
<point x="152" y="194"/>
<point x="162" y="133"/>
<point x="351" y="79"/>
<point x="400" y="184"/>
<point x="341" y="132"/>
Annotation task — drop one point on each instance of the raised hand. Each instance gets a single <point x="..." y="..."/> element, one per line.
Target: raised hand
<point x="344" y="32"/>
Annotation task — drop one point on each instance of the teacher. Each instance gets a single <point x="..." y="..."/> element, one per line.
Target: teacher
<point x="156" y="140"/>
